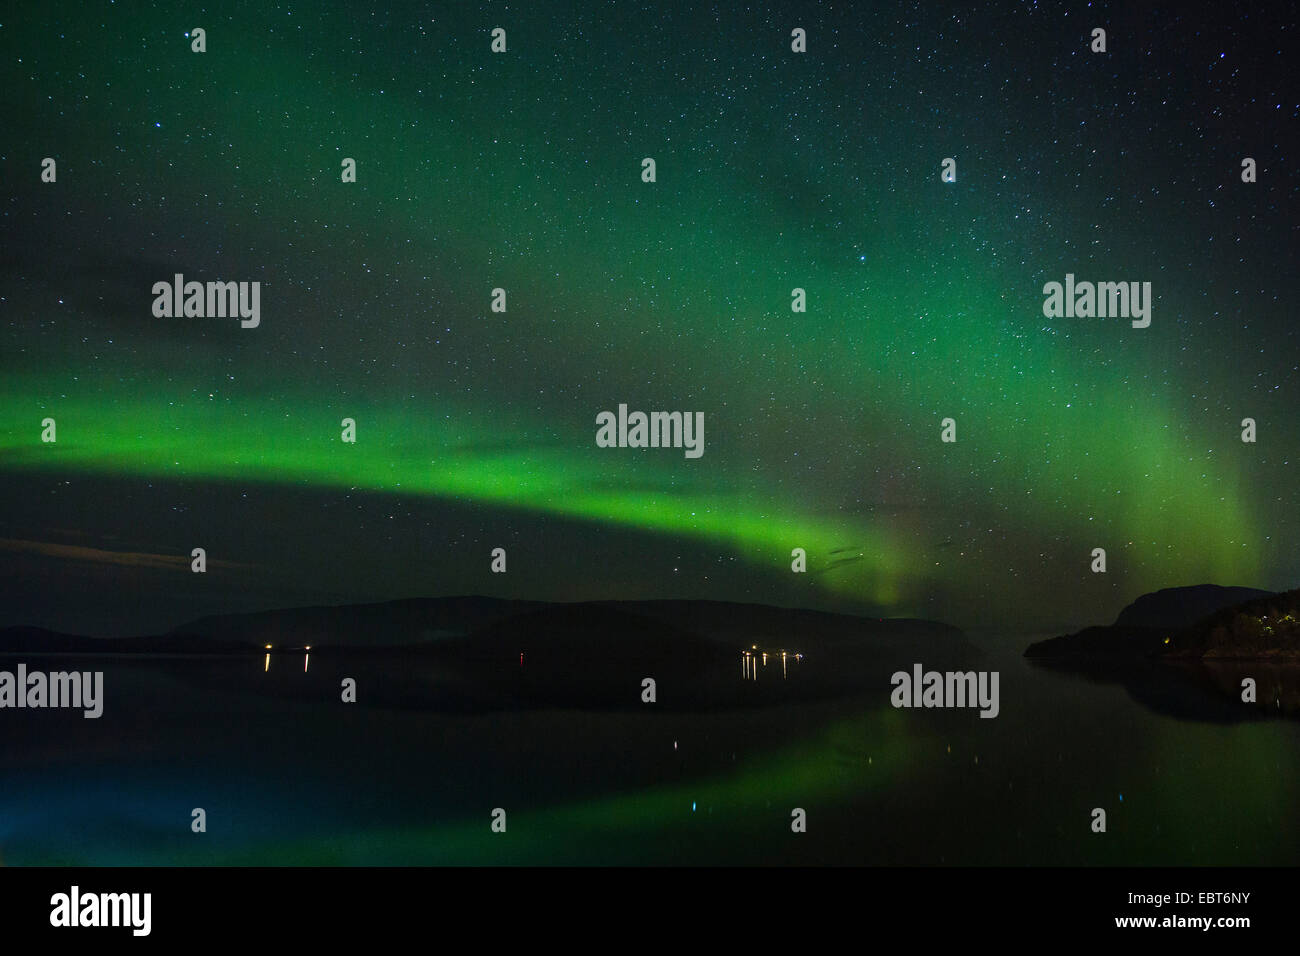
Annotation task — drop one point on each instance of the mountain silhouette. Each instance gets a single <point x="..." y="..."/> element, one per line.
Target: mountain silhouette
<point x="1143" y="626"/>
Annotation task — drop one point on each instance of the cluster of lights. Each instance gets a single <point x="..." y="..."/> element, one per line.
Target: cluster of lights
<point x="750" y="670"/>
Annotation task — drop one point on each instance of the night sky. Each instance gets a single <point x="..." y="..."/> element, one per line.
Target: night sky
<point x="522" y="170"/>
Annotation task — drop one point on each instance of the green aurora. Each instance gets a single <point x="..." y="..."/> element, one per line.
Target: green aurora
<point x="521" y="171"/>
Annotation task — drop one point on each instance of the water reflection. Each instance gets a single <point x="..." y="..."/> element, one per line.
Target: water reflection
<point x="1218" y="691"/>
<point x="756" y="658"/>
<point x="952" y="789"/>
<point x="306" y="656"/>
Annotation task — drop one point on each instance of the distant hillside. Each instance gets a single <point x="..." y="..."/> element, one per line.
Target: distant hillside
<point x="473" y="653"/>
<point x="1142" y="627"/>
<point x="475" y="626"/>
<point x="37" y="640"/>
<point x="737" y="623"/>
<point x="1263" y="628"/>
<point x="413" y="621"/>
<point x="1183" y="607"/>
<point x="594" y="640"/>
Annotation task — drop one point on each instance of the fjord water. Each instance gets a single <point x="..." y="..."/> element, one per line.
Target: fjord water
<point x="410" y="774"/>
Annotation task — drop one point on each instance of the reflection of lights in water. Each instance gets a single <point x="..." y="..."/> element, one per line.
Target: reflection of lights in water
<point x="267" y="666"/>
<point x="749" y="661"/>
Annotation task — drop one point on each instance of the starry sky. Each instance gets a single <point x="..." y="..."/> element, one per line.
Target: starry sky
<point x="522" y="171"/>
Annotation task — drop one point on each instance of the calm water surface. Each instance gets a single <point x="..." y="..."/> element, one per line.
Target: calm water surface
<point x="410" y="774"/>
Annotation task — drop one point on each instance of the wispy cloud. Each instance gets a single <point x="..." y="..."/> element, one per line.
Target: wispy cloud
<point x="136" y="559"/>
